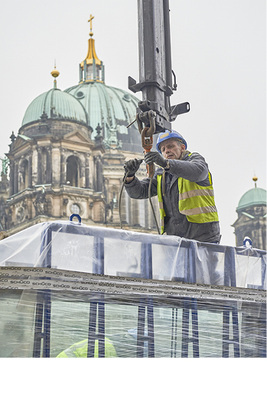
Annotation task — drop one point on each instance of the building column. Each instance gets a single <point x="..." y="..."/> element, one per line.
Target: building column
<point x="87" y="171"/>
<point x="49" y="166"/>
<point x="16" y="173"/>
<point x="63" y="168"/>
<point x="98" y="174"/>
<point x="30" y="171"/>
<point x="34" y="166"/>
<point x="82" y="171"/>
<point x="39" y="166"/>
<point x="11" y="178"/>
<point x="56" y="158"/>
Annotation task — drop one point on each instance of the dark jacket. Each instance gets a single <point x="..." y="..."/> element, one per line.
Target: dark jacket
<point x="193" y="168"/>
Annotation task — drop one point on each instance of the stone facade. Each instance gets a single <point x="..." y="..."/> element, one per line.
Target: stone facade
<point x="252" y="213"/>
<point x="251" y="222"/>
<point x="57" y="170"/>
<point x="69" y="154"/>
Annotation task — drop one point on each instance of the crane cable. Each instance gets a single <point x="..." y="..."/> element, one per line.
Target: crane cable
<point x="146" y="133"/>
<point x="153" y="210"/>
<point x="149" y="197"/>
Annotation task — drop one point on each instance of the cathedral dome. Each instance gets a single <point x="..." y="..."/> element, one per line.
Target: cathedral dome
<point x="252" y="197"/>
<point x="56" y="105"/>
<point x="109" y="110"/>
<point x="106" y="110"/>
<point x="112" y="108"/>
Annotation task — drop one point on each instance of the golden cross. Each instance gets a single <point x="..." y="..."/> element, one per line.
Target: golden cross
<point x="91" y="24"/>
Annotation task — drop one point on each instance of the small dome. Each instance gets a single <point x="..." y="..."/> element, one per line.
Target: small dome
<point x="252" y="197"/>
<point x="57" y="105"/>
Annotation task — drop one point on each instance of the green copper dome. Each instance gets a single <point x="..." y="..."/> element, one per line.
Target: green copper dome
<point x="106" y="110"/>
<point x="109" y="110"/>
<point x="112" y="108"/>
<point x="252" y="197"/>
<point x="57" y="105"/>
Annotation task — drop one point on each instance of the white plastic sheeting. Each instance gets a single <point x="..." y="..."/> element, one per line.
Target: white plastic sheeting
<point x="49" y="323"/>
<point x="70" y="290"/>
<point x="77" y="247"/>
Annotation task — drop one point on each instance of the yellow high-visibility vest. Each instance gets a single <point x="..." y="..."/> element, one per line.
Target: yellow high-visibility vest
<point x="80" y="350"/>
<point x="195" y="202"/>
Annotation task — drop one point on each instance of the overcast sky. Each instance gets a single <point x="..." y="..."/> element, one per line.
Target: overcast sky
<point x="218" y="55"/>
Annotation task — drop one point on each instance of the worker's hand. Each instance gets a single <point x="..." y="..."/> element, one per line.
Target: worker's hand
<point x="132" y="166"/>
<point x="155" y="157"/>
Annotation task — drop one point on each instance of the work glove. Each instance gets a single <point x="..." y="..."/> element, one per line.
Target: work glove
<point x="132" y="166"/>
<point x="155" y="157"/>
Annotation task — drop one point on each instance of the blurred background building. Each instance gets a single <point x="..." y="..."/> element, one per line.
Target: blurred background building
<point x="251" y="220"/>
<point x="69" y="153"/>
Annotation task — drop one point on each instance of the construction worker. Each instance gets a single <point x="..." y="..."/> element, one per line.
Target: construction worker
<point x="80" y="350"/>
<point x="183" y="184"/>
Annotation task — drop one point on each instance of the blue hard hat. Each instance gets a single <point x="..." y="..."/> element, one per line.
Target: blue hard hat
<point x="169" y="135"/>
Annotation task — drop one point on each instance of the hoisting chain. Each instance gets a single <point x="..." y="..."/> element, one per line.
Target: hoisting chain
<point x="147" y="143"/>
<point x="147" y="138"/>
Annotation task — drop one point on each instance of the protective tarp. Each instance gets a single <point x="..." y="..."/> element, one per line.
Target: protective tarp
<point x="64" y="324"/>
<point x="77" y="247"/>
<point x="72" y="291"/>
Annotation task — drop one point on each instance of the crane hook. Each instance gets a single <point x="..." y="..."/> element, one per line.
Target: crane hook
<point x="147" y="137"/>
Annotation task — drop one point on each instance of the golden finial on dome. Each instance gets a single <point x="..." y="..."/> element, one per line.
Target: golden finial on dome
<point x="91" y="24"/>
<point x="255" y="178"/>
<point x="55" y="73"/>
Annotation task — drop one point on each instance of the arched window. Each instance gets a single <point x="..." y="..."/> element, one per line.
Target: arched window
<point x="73" y="174"/>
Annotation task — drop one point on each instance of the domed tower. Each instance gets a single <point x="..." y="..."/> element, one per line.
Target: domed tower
<point x="52" y="171"/>
<point x="69" y="154"/>
<point x="251" y="221"/>
<point x="108" y="108"/>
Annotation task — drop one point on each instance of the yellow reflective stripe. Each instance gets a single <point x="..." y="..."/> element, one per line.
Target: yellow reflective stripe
<point x="193" y="202"/>
<point x="196" y="192"/>
<point x="203" y="218"/>
<point x="199" y="210"/>
<point x="187" y="186"/>
<point x="197" y="202"/>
